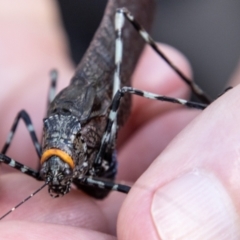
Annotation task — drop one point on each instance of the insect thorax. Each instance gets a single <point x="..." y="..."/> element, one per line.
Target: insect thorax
<point x="69" y="147"/>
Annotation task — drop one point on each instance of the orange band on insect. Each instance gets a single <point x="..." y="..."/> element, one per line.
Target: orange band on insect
<point x="59" y="153"/>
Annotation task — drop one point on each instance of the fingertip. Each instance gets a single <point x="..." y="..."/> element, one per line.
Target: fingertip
<point x="191" y="191"/>
<point x="184" y="209"/>
<point x="134" y="221"/>
<point x="34" y="231"/>
<point x="74" y="209"/>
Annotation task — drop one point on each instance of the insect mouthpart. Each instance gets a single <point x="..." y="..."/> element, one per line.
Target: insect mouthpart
<point x="58" y="174"/>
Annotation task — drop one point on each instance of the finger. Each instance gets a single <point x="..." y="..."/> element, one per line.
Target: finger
<point x="75" y="209"/>
<point x="154" y="75"/>
<point x="148" y="142"/>
<point x="192" y="189"/>
<point x="31" y="230"/>
<point x="159" y="123"/>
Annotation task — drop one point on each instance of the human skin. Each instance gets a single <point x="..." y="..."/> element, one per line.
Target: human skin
<point x="204" y="153"/>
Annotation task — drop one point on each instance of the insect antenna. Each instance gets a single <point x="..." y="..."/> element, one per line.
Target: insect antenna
<point x="26" y="199"/>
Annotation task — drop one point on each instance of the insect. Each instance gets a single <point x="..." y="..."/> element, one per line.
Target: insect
<point x="82" y="121"/>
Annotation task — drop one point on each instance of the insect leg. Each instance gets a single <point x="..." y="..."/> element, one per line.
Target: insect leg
<point x="106" y="184"/>
<point x="14" y="164"/>
<point x="107" y="138"/>
<point x="27" y="120"/>
<point x="25" y="117"/>
<point x="115" y="105"/>
<point x="148" y="39"/>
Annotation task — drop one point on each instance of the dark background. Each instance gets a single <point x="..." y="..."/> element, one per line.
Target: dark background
<point x="207" y="32"/>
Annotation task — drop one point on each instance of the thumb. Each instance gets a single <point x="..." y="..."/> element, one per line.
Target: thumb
<point x="191" y="191"/>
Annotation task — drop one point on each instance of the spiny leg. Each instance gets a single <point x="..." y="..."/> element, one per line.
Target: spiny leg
<point x="9" y="161"/>
<point x="25" y="117"/>
<point x="111" y="127"/>
<point x="118" y="60"/>
<point x="105" y="184"/>
<point x="118" y="23"/>
<point x="148" y="39"/>
<point x="104" y="181"/>
<point x="107" y="137"/>
<point x="114" y="109"/>
<point x="19" y="166"/>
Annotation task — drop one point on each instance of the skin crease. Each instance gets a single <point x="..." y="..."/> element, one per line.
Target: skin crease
<point x="24" y="68"/>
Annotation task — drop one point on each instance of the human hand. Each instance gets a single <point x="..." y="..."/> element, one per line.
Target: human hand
<point x="77" y="215"/>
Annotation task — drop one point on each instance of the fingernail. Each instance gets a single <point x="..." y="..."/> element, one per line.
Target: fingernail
<point x="195" y="206"/>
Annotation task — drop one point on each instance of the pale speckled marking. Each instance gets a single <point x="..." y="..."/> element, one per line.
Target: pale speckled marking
<point x="37" y="146"/>
<point x="85" y="161"/>
<point x="197" y="88"/>
<point x="24" y="169"/>
<point x="30" y="128"/>
<point x="85" y="164"/>
<point x="149" y="95"/>
<point x="12" y="163"/>
<point x="99" y="183"/>
<point x="119" y="50"/>
<point x="84" y="144"/>
<point x="119" y="20"/>
<point x="182" y="101"/>
<point x="116" y="85"/>
<point x="147" y="38"/>
<point x="9" y="138"/>
<point x="115" y="187"/>
<point x="105" y="165"/>
<point x="129" y="15"/>
<point x="108" y="185"/>
<point x="112" y="115"/>
<point x="144" y="35"/>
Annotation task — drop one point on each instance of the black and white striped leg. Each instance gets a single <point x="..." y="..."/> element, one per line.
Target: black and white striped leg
<point x="25" y="117"/>
<point x="158" y="97"/>
<point x="148" y="39"/>
<point x="115" y="105"/>
<point x="106" y="184"/>
<point x="119" y="21"/>
<point x="14" y="164"/>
